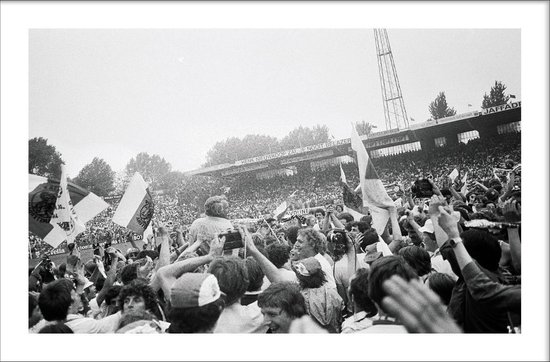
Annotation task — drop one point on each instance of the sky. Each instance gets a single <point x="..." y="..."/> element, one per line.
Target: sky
<point x="112" y="93"/>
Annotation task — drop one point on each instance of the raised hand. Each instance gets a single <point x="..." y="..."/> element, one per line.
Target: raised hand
<point x="417" y="307"/>
<point x="512" y="211"/>
<point x="216" y="246"/>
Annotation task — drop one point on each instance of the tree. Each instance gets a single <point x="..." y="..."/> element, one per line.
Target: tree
<point x="304" y="136"/>
<point x="233" y="149"/>
<point x="44" y="160"/>
<point x="152" y="168"/>
<point x="439" y="108"/>
<point x="364" y="128"/>
<point x="172" y="181"/>
<point x="496" y="96"/>
<point x="97" y="177"/>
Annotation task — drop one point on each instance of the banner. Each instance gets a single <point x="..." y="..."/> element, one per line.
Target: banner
<point x="135" y="210"/>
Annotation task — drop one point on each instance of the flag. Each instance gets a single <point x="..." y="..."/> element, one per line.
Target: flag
<point x="280" y="210"/>
<point x="375" y="196"/>
<point x="512" y="96"/>
<point x="464" y="189"/>
<point x="43" y="194"/>
<point x="342" y="175"/>
<point x="453" y="175"/>
<point x="135" y="210"/>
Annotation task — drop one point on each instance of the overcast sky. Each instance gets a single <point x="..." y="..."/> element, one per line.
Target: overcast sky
<point x="175" y="93"/>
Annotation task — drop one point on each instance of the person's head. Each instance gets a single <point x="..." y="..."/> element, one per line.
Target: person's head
<point x="339" y="208"/>
<point x="195" y="304"/>
<point x="442" y="284"/>
<point x="367" y="219"/>
<point x="255" y="274"/>
<point x="310" y="221"/>
<point x="111" y="298"/>
<point x="418" y="258"/>
<point x="483" y="247"/>
<point x="133" y="316"/>
<point x="34" y="311"/>
<point x="309" y="273"/>
<point x="216" y="206"/>
<point x="345" y="218"/>
<point x="292" y="234"/>
<point x="281" y="303"/>
<point x="55" y="299"/>
<point x="137" y="295"/>
<point x="319" y="214"/>
<point x="58" y="327"/>
<point x="370" y="237"/>
<point x="132" y="253"/>
<point x="358" y="292"/>
<point x="129" y="273"/>
<point x="232" y="276"/>
<point x="383" y="269"/>
<point x="278" y="254"/>
<point x="310" y="242"/>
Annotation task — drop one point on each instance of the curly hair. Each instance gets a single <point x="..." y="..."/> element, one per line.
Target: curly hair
<point x="216" y="206"/>
<point x="316" y="239"/>
<point x="129" y="273"/>
<point x="232" y="277"/>
<point x="138" y="288"/>
<point x="278" y="254"/>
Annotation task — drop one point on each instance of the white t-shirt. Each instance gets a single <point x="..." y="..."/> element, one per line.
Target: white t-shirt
<point x="341" y="274"/>
<point x="238" y="318"/>
<point x="81" y="324"/>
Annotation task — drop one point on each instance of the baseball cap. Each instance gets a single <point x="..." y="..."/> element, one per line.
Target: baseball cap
<point x="308" y="266"/>
<point x="194" y="290"/>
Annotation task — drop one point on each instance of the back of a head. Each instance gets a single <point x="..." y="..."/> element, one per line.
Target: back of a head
<point x="286" y="296"/>
<point x="129" y="273"/>
<point x="346" y="216"/>
<point x="442" y="284"/>
<point x="383" y="269"/>
<point x="292" y="234"/>
<point x="418" y="258"/>
<point x="483" y="247"/>
<point x="315" y="238"/>
<point x="255" y="274"/>
<point x="370" y="237"/>
<point x="56" y="328"/>
<point x="278" y="254"/>
<point x="367" y="219"/>
<point x="216" y="206"/>
<point x="358" y="290"/>
<point x="134" y="316"/>
<point x="232" y="277"/>
<point x="55" y="299"/>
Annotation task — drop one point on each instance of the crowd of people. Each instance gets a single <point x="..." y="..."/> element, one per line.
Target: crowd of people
<point x="445" y="263"/>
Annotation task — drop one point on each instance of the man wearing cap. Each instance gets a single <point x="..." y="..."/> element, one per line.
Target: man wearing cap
<point x="195" y="304"/>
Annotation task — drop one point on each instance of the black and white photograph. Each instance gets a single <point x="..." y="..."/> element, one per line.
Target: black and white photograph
<point x="220" y="176"/>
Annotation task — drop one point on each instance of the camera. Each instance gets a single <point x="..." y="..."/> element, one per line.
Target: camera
<point x="338" y="239"/>
<point x="422" y="188"/>
<point x="233" y="240"/>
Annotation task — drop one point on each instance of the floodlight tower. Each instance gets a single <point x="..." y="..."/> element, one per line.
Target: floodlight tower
<point x="394" y="106"/>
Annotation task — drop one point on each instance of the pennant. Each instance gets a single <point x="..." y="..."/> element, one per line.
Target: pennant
<point x="375" y="196"/>
<point x="43" y="194"/>
<point x="453" y="175"/>
<point x="136" y="208"/>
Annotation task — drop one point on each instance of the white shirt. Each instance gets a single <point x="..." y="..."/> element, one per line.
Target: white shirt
<point x="341" y="270"/>
<point x="80" y="324"/>
<point x="325" y="266"/>
<point x="238" y="318"/>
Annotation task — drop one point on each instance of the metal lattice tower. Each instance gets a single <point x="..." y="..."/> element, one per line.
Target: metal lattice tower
<point x="394" y="106"/>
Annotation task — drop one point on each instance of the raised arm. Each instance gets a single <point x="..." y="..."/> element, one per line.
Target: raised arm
<point x="164" y="254"/>
<point x="512" y="214"/>
<point x="271" y="272"/>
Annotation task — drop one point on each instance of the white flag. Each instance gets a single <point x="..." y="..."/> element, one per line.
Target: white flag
<point x="375" y="196"/>
<point x="464" y="189"/>
<point x="453" y="175"/>
<point x="135" y="210"/>
<point x="64" y="215"/>
<point x="342" y="175"/>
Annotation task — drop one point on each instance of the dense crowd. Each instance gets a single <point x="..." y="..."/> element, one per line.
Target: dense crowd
<point x="450" y="262"/>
